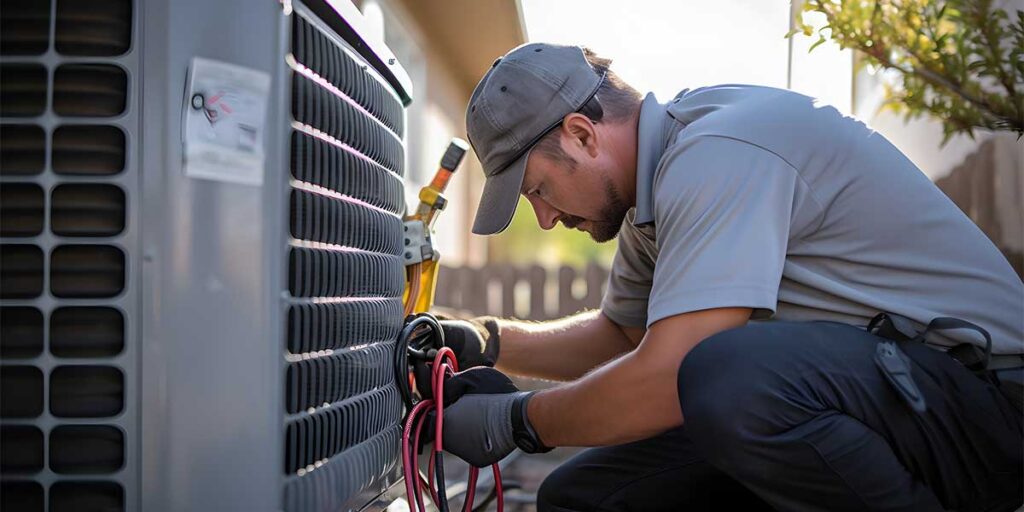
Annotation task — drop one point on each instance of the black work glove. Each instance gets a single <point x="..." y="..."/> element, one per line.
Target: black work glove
<point x="478" y="415"/>
<point x="474" y="341"/>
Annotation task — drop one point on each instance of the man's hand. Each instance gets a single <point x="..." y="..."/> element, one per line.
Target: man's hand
<point x="478" y="415"/>
<point x="474" y="341"/>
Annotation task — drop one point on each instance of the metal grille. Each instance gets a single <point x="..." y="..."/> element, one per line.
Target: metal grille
<point x="67" y="408"/>
<point x="345" y="275"/>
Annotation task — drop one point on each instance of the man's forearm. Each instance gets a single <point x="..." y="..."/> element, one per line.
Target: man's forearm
<point x="634" y="397"/>
<point x="631" y="398"/>
<point x="562" y="349"/>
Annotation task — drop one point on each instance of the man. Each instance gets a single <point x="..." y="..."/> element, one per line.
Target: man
<point x="734" y="205"/>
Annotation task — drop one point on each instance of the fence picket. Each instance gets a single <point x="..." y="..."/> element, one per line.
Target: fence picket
<point x="491" y="290"/>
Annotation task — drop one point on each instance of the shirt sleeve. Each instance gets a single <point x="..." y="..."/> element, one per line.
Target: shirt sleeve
<point x="629" y="282"/>
<point x="722" y="209"/>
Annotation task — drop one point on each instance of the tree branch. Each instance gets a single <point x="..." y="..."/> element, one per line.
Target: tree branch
<point x="992" y="117"/>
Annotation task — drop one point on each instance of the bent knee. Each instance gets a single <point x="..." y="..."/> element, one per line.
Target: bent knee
<point x="725" y="384"/>
<point x="718" y="363"/>
<point x="562" y="491"/>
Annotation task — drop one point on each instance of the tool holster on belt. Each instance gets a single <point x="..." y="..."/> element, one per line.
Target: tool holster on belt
<point x="1001" y="371"/>
<point x="892" y="362"/>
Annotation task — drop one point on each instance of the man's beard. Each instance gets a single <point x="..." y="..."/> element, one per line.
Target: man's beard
<point x="615" y="209"/>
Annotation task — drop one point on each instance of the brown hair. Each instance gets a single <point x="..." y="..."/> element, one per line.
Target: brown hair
<point x="615" y="101"/>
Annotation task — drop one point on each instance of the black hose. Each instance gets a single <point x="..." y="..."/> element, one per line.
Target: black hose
<point x="429" y="331"/>
<point x="442" y="496"/>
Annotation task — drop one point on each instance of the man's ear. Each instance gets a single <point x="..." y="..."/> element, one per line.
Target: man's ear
<point x="582" y="133"/>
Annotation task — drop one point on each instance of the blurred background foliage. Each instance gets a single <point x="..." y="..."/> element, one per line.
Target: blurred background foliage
<point x="960" y="61"/>
<point x="524" y="243"/>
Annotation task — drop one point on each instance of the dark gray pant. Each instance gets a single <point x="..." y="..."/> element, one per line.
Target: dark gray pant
<point x="796" y="416"/>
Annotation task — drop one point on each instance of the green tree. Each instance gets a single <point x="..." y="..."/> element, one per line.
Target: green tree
<point x="961" y="61"/>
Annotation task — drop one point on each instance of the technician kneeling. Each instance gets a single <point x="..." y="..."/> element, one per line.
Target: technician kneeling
<point x="759" y="233"/>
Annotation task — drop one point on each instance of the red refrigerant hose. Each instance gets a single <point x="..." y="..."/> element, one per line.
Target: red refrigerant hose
<point x="444" y="366"/>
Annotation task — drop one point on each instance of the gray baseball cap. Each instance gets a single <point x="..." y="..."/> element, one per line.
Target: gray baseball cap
<point x="524" y="95"/>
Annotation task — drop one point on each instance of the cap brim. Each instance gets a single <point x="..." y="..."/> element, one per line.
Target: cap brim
<point x="500" y="197"/>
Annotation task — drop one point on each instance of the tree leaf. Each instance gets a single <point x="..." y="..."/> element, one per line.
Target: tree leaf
<point x="821" y="41"/>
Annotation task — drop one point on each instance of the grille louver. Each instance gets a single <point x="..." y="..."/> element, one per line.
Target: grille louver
<point x="326" y="380"/>
<point x="332" y="486"/>
<point x="319" y="218"/>
<point x="316" y="50"/>
<point x="22" y="149"/>
<point x="320" y="435"/>
<point x="22" y="392"/>
<point x="317" y="327"/>
<point x="326" y="273"/>
<point x="24" y="27"/>
<point x="328" y="166"/>
<point x="86" y="271"/>
<point x="87" y="210"/>
<point x="22" y="90"/>
<point x="21" y="495"/>
<point x="23" y="449"/>
<point x="75" y="496"/>
<point x="86" y="391"/>
<point x="316" y="106"/>
<point x="21" y="271"/>
<point x="88" y="150"/>
<point x="86" y="449"/>
<point x="21" y="209"/>
<point x="82" y="29"/>
<point x="89" y="90"/>
<point x="21" y="332"/>
<point x="86" y="332"/>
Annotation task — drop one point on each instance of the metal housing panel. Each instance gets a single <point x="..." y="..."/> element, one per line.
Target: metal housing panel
<point x="211" y="315"/>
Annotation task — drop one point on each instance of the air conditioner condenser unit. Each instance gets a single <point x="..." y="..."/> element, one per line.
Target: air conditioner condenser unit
<point x="200" y="235"/>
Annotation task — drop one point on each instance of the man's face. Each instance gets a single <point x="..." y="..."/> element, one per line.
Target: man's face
<point x="581" y="195"/>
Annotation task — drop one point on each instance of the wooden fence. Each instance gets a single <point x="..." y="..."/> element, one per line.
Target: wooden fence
<point x="524" y="292"/>
<point x="989" y="187"/>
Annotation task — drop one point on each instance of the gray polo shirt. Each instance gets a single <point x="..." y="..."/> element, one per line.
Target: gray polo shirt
<point x="763" y="198"/>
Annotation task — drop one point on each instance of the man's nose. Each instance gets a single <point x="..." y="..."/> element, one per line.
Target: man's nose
<point x="547" y="216"/>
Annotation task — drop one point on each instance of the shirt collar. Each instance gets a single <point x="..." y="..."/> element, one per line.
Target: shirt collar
<point x="650" y="146"/>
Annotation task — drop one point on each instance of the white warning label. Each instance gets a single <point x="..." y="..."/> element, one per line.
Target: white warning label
<point x="225" y="113"/>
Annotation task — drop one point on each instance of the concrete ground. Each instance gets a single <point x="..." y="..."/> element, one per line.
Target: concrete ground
<point x="525" y="471"/>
